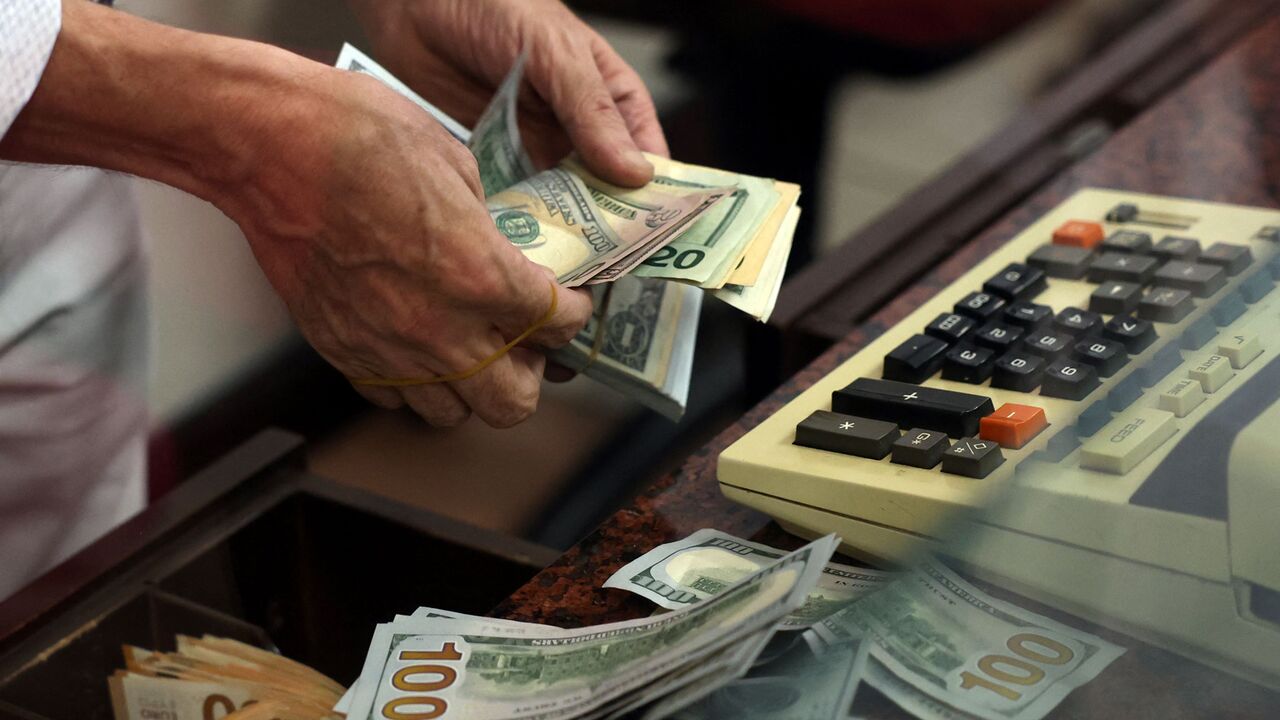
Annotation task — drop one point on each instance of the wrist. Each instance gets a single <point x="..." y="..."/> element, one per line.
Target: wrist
<point x="187" y="109"/>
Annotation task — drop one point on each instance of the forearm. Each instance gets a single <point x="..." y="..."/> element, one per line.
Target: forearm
<point x="191" y="110"/>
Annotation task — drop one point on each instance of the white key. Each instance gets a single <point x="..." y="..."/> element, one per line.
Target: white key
<point x="1212" y="371"/>
<point x="1127" y="440"/>
<point x="1182" y="397"/>
<point x="1240" y="349"/>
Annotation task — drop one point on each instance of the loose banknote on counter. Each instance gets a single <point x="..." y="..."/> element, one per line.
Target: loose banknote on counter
<point x="648" y="253"/>
<point x="928" y="640"/>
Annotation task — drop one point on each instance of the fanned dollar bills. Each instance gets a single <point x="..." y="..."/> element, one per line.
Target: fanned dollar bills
<point x="438" y="664"/>
<point x="928" y="640"/>
<point x="650" y="252"/>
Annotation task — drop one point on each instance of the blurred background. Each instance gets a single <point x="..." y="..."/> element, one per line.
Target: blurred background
<point x="864" y="103"/>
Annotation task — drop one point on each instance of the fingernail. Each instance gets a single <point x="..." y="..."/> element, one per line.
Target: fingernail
<point x="637" y="160"/>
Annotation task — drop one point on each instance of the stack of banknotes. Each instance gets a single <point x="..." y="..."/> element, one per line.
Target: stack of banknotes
<point x="647" y="253"/>
<point x="213" y="677"/>
<point x="743" y="631"/>
<point x="438" y="664"/>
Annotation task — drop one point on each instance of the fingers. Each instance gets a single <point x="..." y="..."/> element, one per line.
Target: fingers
<point x="633" y="100"/>
<point x="438" y="404"/>
<point x="583" y="104"/>
<point x="385" y="398"/>
<point x="573" y="310"/>
<point x="505" y="393"/>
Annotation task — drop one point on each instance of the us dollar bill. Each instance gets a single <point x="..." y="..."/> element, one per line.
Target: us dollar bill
<point x="587" y="230"/>
<point x="957" y="646"/>
<point x="495" y="142"/>
<point x="426" y="613"/>
<point x="352" y="59"/>
<point x="477" y="669"/>
<point x="702" y="565"/>
<point x="787" y="681"/>
<point x="710" y="249"/>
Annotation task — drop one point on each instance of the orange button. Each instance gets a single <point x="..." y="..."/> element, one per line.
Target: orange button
<point x="1079" y="233"/>
<point x="1013" y="425"/>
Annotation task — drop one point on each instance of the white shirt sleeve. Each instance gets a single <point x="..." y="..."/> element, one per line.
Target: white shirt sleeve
<point x="28" y="29"/>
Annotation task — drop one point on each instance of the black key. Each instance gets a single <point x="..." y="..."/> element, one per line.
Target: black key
<point x="1228" y="309"/>
<point x="1106" y="356"/>
<point x="1122" y="266"/>
<point x="1127" y="241"/>
<point x="1125" y="393"/>
<point x="1076" y="322"/>
<point x="915" y="360"/>
<point x="1137" y="335"/>
<point x="950" y="327"/>
<point x="968" y="364"/>
<point x="1176" y="248"/>
<point x="979" y="305"/>
<point x="1198" y="333"/>
<point x="920" y="448"/>
<point x="972" y="457"/>
<point x="1070" y="379"/>
<point x="1093" y="418"/>
<point x="1255" y="287"/>
<point x="846" y="434"/>
<point x="1166" y="360"/>
<point x="1061" y="445"/>
<point x="1046" y="343"/>
<point x="998" y="337"/>
<point x="1165" y="304"/>
<point x="1270" y="232"/>
<point x="1018" y="371"/>
<point x="953" y="413"/>
<point x="1028" y="316"/>
<point x="1122" y="213"/>
<point x="1016" y="281"/>
<point x="1061" y="261"/>
<point x="1115" y="297"/>
<point x="1232" y="258"/>
<point x="1201" y="279"/>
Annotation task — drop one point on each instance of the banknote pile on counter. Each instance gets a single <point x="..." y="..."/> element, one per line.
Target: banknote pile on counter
<point x="743" y="631"/>
<point x="437" y="664"/>
<point x="212" y="678"/>
<point x="648" y="254"/>
<point x="926" y="639"/>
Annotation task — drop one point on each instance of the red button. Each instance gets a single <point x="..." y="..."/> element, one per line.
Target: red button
<point x="1079" y="233"/>
<point x="1012" y="425"/>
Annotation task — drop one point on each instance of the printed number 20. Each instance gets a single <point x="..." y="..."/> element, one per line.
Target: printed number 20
<point x="683" y="259"/>
<point x="1022" y="670"/>
<point x="438" y="678"/>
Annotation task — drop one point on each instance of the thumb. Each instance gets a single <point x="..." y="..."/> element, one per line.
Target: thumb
<point x="582" y="103"/>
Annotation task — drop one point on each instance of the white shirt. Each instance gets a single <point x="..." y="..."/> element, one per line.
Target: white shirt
<point x="73" y="335"/>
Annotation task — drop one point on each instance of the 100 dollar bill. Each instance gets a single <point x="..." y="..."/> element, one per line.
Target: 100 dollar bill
<point x="703" y="564"/>
<point x="475" y="669"/>
<point x="947" y="639"/>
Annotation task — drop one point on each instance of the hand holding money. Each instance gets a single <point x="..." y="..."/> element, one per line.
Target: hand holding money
<point x="690" y="227"/>
<point x="581" y="95"/>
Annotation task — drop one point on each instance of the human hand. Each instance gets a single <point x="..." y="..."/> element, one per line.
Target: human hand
<point x="365" y="215"/>
<point x="584" y="96"/>
<point x="372" y="228"/>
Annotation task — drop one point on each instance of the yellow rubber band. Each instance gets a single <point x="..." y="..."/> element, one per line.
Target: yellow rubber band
<point x="479" y="367"/>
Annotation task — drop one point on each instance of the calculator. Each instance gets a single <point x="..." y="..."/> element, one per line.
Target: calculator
<point x="1090" y="416"/>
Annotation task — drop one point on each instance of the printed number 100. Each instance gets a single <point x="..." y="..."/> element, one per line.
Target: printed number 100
<point x="1031" y="652"/>
<point x="423" y="678"/>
